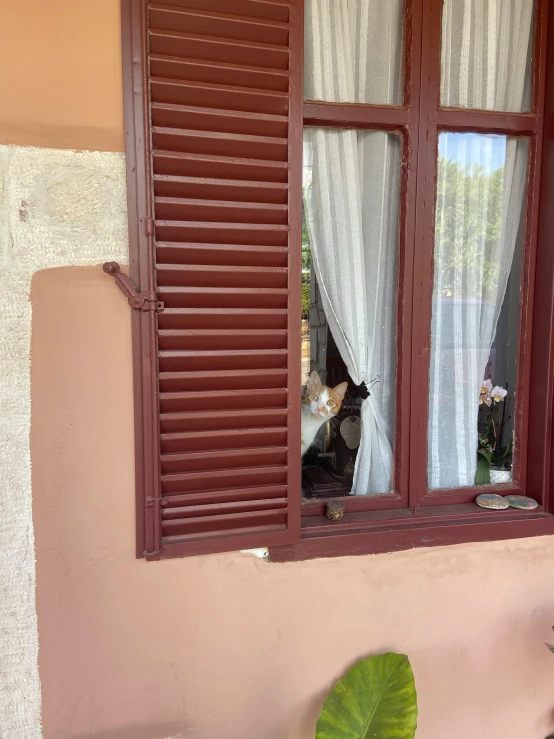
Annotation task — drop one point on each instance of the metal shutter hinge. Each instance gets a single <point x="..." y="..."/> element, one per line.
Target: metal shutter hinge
<point x="140" y="301"/>
<point x="150" y="502"/>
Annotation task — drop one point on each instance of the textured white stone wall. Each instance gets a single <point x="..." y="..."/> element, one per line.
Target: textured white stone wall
<point x="57" y="208"/>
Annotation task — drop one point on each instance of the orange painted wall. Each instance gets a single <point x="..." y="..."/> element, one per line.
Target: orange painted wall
<point x="60" y="84"/>
<point x="227" y="645"/>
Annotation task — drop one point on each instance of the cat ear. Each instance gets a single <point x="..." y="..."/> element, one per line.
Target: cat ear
<point x="313" y="381"/>
<point x="341" y="389"/>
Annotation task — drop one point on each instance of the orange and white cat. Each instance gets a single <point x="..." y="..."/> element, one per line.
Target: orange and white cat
<point x="319" y="404"/>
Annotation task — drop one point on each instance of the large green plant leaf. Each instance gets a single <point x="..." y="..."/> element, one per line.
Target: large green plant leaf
<point x="483" y="471"/>
<point x="376" y="699"/>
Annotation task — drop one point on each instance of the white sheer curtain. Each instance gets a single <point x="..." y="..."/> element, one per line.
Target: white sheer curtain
<point x="352" y="207"/>
<point x="485" y="54"/>
<point x="353" y="51"/>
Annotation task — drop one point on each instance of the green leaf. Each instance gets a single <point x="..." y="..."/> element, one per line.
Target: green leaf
<point x="550" y="647"/>
<point x="376" y="699"/>
<point x="485" y="453"/>
<point x="483" y="472"/>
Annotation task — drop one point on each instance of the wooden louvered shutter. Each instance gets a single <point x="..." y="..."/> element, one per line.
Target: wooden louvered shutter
<point x="213" y="108"/>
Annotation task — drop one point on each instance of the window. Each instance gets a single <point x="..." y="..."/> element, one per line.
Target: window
<point x="386" y="238"/>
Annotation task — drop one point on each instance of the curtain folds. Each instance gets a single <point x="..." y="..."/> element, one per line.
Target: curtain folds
<point x="352" y="209"/>
<point x="478" y="216"/>
<point x="486" y="54"/>
<point x="480" y="193"/>
<point x="353" y="53"/>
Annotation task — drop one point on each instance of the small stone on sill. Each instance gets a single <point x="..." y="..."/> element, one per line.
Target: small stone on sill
<point x="522" y="501"/>
<point x="492" y="501"/>
<point x="334" y="511"/>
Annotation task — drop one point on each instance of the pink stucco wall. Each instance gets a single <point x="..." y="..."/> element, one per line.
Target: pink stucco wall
<point x="227" y="645"/>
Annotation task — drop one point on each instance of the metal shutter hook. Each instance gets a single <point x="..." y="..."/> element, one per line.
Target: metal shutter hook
<point x="137" y="300"/>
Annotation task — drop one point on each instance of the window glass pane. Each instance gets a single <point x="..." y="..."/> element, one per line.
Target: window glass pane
<point x="486" y="54"/>
<point x="351" y="188"/>
<point x="353" y="51"/>
<point x="478" y="247"/>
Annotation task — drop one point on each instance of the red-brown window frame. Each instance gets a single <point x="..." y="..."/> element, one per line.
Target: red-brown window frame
<point x="409" y="517"/>
<point x="412" y="515"/>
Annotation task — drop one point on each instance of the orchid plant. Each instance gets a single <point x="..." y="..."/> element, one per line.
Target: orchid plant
<point x="491" y="421"/>
<point x="490" y="394"/>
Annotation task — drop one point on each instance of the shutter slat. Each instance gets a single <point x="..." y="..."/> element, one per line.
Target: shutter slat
<point x="226" y="439"/>
<point x="220" y="189"/>
<point x="173" y="115"/>
<point x="200" y="21"/>
<point x="230" y="97"/>
<point x="234" y="339"/>
<point x="213" y="143"/>
<point x="206" y="275"/>
<point x="246" y="359"/>
<point x="194" y="70"/>
<point x="222" y="523"/>
<point x="273" y="10"/>
<point x="221" y="111"/>
<point x="223" y="399"/>
<point x="222" y="420"/>
<point x="185" y="209"/>
<point x="242" y="318"/>
<point x="224" y="379"/>
<point x="205" y="165"/>
<point x="224" y="496"/>
<point x="224" y="233"/>
<point x="222" y="254"/>
<point x="212" y="48"/>
<point x="223" y="459"/>
<point x="223" y="297"/>
<point x="219" y="508"/>
<point x="227" y="478"/>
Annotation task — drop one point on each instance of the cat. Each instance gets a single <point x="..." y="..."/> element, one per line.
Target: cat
<point x="319" y="404"/>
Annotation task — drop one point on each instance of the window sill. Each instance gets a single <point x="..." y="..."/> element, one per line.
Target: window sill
<point x="378" y="532"/>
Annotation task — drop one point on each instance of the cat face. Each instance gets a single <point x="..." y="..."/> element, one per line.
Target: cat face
<point x="322" y="401"/>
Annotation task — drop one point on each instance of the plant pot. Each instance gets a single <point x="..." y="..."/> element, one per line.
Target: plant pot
<point x="500" y="475"/>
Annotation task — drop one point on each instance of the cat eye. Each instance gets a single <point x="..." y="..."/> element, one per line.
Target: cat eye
<point x="330" y="402"/>
<point x="313" y="397"/>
